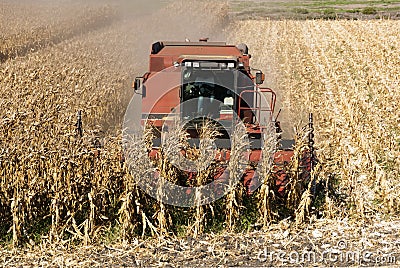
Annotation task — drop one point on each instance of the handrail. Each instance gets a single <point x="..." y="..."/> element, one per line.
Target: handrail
<point x="257" y="106"/>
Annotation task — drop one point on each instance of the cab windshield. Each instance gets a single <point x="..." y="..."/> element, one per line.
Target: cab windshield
<point x="208" y="93"/>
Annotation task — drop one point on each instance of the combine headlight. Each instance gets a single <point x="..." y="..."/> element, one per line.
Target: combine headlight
<point x="231" y="65"/>
<point x="196" y="64"/>
<point x="188" y="64"/>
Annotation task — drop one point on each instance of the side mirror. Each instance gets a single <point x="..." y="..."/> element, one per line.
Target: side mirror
<point x="143" y="91"/>
<point x="138" y="87"/>
<point x="260" y="77"/>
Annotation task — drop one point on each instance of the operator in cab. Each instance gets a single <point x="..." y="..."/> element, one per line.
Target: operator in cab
<point x="203" y="88"/>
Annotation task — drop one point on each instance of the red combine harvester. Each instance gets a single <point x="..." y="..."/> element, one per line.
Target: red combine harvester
<point x="197" y="80"/>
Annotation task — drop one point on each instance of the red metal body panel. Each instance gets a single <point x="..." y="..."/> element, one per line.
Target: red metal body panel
<point x="174" y="51"/>
<point x="171" y="54"/>
<point x="163" y="100"/>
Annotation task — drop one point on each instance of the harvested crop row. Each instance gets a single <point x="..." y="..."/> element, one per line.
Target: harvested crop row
<point x="347" y="74"/>
<point x="47" y="25"/>
<point x="308" y="246"/>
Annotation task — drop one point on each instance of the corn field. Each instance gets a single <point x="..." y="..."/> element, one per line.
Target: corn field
<point x="63" y="184"/>
<point x="347" y="74"/>
<point x="29" y="32"/>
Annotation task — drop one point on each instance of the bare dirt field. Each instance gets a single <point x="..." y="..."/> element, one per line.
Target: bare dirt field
<point x="67" y="200"/>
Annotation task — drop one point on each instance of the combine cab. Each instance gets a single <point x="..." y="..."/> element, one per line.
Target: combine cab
<point x="198" y="81"/>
